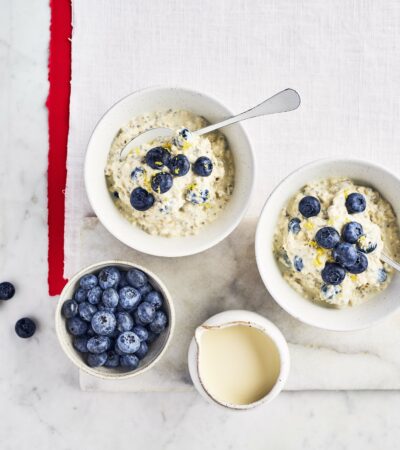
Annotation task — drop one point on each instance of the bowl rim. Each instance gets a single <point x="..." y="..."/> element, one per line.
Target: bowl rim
<point x="60" y="321"/>
<point x="207" y="242"/>
<point x="269" y="283"/>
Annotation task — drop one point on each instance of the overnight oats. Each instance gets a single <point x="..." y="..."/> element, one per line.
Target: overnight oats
<point x="329" y="240"/>
<point x="172" y="186"/>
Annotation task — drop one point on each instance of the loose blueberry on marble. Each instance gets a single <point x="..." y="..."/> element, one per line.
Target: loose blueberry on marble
<point x="309" y="206"/>
<point x="352" y="231"/>
<point x="136" y="278"/>
<point x="382" y="275"/>
<point x="345" y="254"/>
<point x="109" y="277"/>
<point x="80" y="343"/>
<point x="98" y="344"/>
<point x="179" y="165"/>
<point x="136" y="173"/>
<point x="294" y="225"/>
<point x="361" y="264"/>
<point x="94" y="295"/>
<point x="154" y="298"/>
<point x="298" y="263"/>
<point x="162" y="182"/>
<point x="128" y="342"/>
<point x="86" y="311"/>
<point x="130" y="362"/>
<point x="80" y="295"/>
<point x="327" y="237"/>
<point x="25" y="327"/>
<point x="143" y="349"/>
<point x="333" y="273"/>
<point x="203" y="166"/>
<point x="88" y="281"/>
<point x="141" y="332"/>
<point x="7" y="290"/>
<point x="112" y="359"/>
<point x="159" y="323"/>
<point x="158" y="157"/>
<point x="146" y="312"/>
<point x="129" y="298"/>
<point x="366" y="245"/>
<point x="141" y="199"/>
<point x="76" y="326"/>
<point x="96" y="360"/>
<point x="110" y="298"/>
<point x="69" y="309"/>
<point x="355" y="203"/>
<point x="124" y="322"/>
<point x="329" y="291"/>
<point x="104" y="323"/>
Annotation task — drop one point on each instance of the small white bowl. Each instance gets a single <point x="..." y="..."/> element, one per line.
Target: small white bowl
<point x="156" y="99"/>
<point x="351" y="318"/>
<point x="240" y="317"/>
<point x="156" y="349"/>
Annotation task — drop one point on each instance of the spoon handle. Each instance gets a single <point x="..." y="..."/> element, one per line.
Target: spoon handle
<point x="390" y="261"/>
<point x="283" y="101"/>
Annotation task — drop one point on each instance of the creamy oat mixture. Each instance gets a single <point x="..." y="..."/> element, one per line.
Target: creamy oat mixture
<point x="193" y="200"/>
<point x="302" y="260"/>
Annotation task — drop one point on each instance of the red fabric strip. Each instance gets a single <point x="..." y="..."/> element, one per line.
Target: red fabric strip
<point x="58" y="119"/>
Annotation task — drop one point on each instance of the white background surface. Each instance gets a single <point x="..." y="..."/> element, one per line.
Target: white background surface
<point x="42" y="407"/>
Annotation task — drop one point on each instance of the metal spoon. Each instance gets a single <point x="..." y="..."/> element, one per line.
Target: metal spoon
<point x="283" y="101"/>
<point x="385" y="258"/>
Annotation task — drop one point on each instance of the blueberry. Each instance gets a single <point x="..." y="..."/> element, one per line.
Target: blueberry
<point x="159" y="323"/>
<point x="329" y="291"/>
<point x="117" y="350"/>
<point x="146" y="312"/>
<point x="141" y="332"/>
<point x="137" y="319"/>
<point x="197" y="196"/>
<point x="145" y="289"/>
<point x="7" y="290"/>
<point x="158" y="157"/>
<point x="109" y="277"/>
<point x="333" y="273"/>
<point x="98" y="344"/>
<point x="25" y="327"/>
<point x="123" y="281"/>
<point x="136" y="278"/>
<point x="110" y="298"/>
<point x="203" y="166"/>
<point x="76" y="326"/>
<point x="80" y="295"/>
<point x="104" y="323"/>
<point x="94" y="295"/>
<point x="129" y="361"/>
<point x="124" y="322"/>
<point x="294" y="225"/>
<point x="309" y="206"/>
<point x="327" y="237"/>
<point x="112" y="359"/>
<point x="129" y="298"/>
<point x="136" y="173"/>
<point x="179" y="165"/>
<point x="143" y="349"/>
<point x="162" y="182"/>
<point x="352" y="231"/>
<point x="184" y="135"/>
<point x="86" y="311"/>
<point x="128" y="342"/>
<point x="355" y="203"/>
<point x="90" y="332"/>
<point x="298" y="263"/>
<point x="152" y="337"/>
<point x="88" y="281"/>
<point x="366" y="245"/>
<point x="155" y="299"/>
<point x="80" y="344"/>
<point x="382" y="275"/>
<point x="102" y="307"/>
<point x="69" y="309"/>
<point x="96" y="360"/>
<point x="360" y="265"/>
<point x="141" y="199"/>
<point x="345" y="254"/>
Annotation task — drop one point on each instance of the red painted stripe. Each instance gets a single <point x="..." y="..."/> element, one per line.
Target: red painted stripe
<point x="58" y="119"/>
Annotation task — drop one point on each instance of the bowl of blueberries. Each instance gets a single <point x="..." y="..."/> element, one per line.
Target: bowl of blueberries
<point x="115" y="319"/>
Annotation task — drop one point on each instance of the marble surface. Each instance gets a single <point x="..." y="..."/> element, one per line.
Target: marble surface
<point x="42" y="406"/>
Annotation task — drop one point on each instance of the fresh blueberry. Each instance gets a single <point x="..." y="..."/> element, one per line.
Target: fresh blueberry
<point x="137" y="319"/>
<point x="109" y="277"/>
<point x="96" y="360"/>
<point x="294" y="225"/>
<point x="80" y="295"/>
<point x="309" y="206"/>
<point x="123" y="281"/>
<point x="355" y="203"/>
<point x="158" y="157"/>
<point x="155" y="299"/>
<point x="136" y="278"/>
<point x="76" y="326"/>
<point x="345" y="254"/>
<point x="136" y="173"/>
<point x="179" y="165"/>
<point x="333" y="273"/>
<point x="352" y="231"/>
<point x="366" y="245"/>
<point x="88" y="281"/>
<point x="98" y="344"/>
<point x="124" y="322"/>
<point x="327" y="237"/>
<point x="298" y="263"/>
<point x="110" y="298"/>
<point x="87" y="311"/>
<point x="141" y="332"/>
<point x="129" y="361"/>
<point x="152" y="337"/>
<point x="145" y="289"/>
<point x="203" y="166"/>
<point x="25" y="327"/>
<point x="102" y="307"/>
<point x="329" y="291"/>
<point x="162" y="182"/>
<point x="104" y="323"/>
<point x="360" y="265"/>
<point x="115" y="194"/>
<point x="94" y="295"/>
<point x="146" y="312"/>
<point x="159" y="323"/>
<point x="90" y="332"/>
<point x="7" y="290"/>
<point x="184" y="136"/>
<point x="112" y="359"/>
<point x="69" y="309"/>
<point x="143" y="349"/>
<point x="382" y="275"/>
<point x="80" y="344"/>
<point x="141" y="199"/>
<point x="129" y="298"/>
<point x="128" y="342"/>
